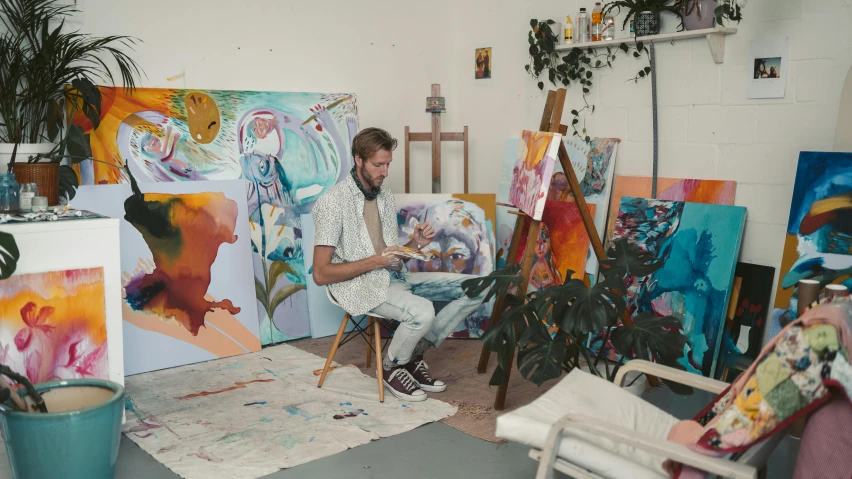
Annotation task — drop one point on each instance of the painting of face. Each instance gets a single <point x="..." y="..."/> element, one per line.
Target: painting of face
<point x="463" y="243"/>
<point x="289" y="148"/>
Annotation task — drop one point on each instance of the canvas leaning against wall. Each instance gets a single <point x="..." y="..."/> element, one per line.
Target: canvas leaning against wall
<point x="698" y="245"/>
<point x="818" y="243"/>
<point x="186" y="270"/>
<point x="290" y="147"/>
<point x="53" y="325"/>
<point x="464" y="241"/>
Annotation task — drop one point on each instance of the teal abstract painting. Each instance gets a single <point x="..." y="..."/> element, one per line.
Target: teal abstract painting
<point x="699" y="245"/>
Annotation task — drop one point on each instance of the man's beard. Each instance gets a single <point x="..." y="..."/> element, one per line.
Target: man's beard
<point x="371" y="181"/>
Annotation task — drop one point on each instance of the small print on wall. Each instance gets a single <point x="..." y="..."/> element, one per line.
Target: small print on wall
<point x="483" y="63"/>
<point x="770" y="66"/>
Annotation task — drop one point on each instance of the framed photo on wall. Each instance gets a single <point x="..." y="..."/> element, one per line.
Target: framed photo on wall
<point x="770" y="62"/>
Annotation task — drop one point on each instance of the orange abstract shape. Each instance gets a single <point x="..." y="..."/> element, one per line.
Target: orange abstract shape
<point x="568" y="237"/>
<point x="184" y="233"/>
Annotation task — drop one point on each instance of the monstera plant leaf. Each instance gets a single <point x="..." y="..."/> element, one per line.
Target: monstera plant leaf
<point x="500" y="281"/>
<point x="576" y="308"/>
<point x="91" y="99"/>
<point x="649" y="336"/>
<point x="626" y="258"/>
<point x="68" y="182"/>
<point x="9" y="255"/>
<point x="540" y="358"/>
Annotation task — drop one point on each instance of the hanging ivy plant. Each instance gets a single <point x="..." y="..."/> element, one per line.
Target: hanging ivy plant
<point x="578" y="66"/>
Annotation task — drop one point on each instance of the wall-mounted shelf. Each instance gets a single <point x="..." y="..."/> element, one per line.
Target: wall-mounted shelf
<point x="715" y="40"/>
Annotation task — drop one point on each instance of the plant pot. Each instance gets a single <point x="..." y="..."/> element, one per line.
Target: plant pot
<point x="699" y="14"/>
<point x="45" y="175"/>
<point x="646" y="23"/>
<point x="79" y="439"/>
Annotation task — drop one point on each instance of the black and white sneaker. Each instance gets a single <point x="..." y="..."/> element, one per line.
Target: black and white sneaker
<point x="420" y="372"/>
<point x="400" y="383"/>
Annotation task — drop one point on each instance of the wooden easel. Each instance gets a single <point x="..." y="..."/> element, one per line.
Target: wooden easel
<point x="550" y="121"/>
<point x="436" y="137"/>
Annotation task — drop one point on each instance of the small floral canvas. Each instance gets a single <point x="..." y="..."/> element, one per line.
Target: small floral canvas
<point x="53" y="325"/>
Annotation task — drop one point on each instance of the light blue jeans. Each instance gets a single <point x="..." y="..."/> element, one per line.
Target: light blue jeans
<point x="409" y="301"/>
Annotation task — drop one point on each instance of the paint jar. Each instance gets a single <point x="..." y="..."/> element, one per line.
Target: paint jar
<point x="39" y="204"/>
<point x="833" y="290"/>
<point x="28" y="192"/>
<point x="808" y="293"/>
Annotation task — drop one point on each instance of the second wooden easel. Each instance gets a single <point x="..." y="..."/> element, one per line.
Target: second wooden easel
<point x="550" y="121"/>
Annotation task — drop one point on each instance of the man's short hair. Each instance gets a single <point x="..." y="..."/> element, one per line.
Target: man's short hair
<point x="370" y="140"/>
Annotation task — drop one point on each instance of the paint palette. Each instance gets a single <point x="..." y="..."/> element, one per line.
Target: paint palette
<point x="412" y="253"/>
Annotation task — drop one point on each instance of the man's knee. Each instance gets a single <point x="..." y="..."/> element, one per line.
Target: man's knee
<point x="422" y="314"/>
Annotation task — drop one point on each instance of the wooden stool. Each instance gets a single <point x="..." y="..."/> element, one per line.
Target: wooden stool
<point x="372" y="335"/>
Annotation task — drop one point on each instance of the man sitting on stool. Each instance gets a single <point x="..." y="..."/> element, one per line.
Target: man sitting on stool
<point x="354" y="239"/>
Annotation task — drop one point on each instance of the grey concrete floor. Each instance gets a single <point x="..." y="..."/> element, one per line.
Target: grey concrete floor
<point x="431" y="451"/>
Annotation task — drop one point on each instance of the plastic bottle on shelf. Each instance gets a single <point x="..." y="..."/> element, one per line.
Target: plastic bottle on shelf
<point x="569" y="30"/>
<point x="583" y="24"/>
<point x="597" y="23"/>
<point x="608" y="32"/>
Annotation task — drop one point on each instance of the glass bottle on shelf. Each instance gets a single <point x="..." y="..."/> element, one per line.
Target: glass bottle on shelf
<point x="608" y="32"/>
<point x="597" y="23"/>
<point x="583" y="21"/>
<point x="14" y="193"/>
<point x="28" y="192"/>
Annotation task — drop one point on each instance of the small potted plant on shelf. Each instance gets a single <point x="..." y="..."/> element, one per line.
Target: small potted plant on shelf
<point x="645" y="14"/>
<point x="698" y="14"/>
<point x="46" y="74"/>
<point x="551" y="327"/>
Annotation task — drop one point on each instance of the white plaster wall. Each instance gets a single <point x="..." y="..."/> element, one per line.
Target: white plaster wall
<point x="389" y="52"/>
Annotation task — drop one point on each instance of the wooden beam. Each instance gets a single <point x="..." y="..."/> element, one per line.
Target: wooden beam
<point x="445" y="136"/>
<point x="548" y="111"/>
<point x="464" y="138"/>
<point x="436" y="144"/>
<point x="407" y="160"/>
<point x="556" y="116"/>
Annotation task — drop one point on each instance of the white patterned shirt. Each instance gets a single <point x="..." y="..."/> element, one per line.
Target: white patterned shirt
<point x="339" y="222"/>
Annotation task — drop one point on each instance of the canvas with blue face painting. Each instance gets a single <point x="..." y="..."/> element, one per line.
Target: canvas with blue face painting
<point x="699" y="244"/>
<point x="290" y="147"/>
<point x="818" y="243"/>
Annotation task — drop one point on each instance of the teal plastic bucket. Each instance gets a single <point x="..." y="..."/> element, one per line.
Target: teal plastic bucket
<point x="79" y="440"/>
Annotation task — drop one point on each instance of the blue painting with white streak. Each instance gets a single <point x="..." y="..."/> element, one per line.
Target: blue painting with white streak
<point x="700" y="244"/>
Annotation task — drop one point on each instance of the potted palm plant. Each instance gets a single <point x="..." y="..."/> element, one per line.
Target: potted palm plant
<point x="46" y="75"/>
<point x="579" y="314"/>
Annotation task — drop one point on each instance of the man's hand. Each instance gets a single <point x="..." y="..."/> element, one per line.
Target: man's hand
<point x="423" y="234"/>
<point x="387" y="260"/>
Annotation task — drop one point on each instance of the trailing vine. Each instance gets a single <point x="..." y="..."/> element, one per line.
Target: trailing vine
<point x="578" y="65"/>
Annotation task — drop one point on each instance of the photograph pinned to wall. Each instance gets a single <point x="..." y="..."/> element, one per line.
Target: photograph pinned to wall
<point x="186" y="270"/>
<point x="817" y="243"/>
<point x="748" y="310"/>
<point x="291" y="147"/>
<point x="717" y="192"/>
<point x="53" y="325"/>
<point x="482" y="63"/>
<point x="698" y="245"/>
<point x="464" y="241"/>
<point x="532" y="171"/>
<point x="770" y="59"/>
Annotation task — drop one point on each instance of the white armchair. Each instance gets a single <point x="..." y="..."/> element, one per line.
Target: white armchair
<point x="587" y="427"/>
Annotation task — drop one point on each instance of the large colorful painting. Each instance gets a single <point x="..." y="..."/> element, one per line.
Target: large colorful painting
<point x="699" y="244"/>
<point x="563" y="245"/>
<point x="747" y="313"/>
<point x="716" y="192"/>
<point x="464" y="241"/>
<point x="532" y="170"/>
<point x="818" y="244"/>
<point x="187" y="274"/>
<point x="290" y="147"/>
<point x="53" y="325"/>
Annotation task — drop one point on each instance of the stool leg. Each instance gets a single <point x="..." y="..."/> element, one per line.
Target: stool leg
<point x="380" y="373"/>
<point x="369" y="339"/>
<point x="483" y="359"/>
<point x="333" y="348"/>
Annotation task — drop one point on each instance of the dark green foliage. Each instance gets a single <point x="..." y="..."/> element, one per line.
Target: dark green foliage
<point x="9" y="255"/>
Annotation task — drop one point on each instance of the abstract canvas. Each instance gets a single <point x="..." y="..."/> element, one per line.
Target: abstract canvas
<point x="290" y="147"/>
<point x="818" y="244"/>
<point x="747" y="313"/>
<point x="186" y="263"/>
<point x="532" y="169"/>
<point x="563" y="245"/>
<point x="53" y="325"/>
<point x="716" y="192"/>
<point x="464" y="241"/>
<point x="505" y="225"/>
<point x="699" y="244"/>
<point x="594" y="165"/>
